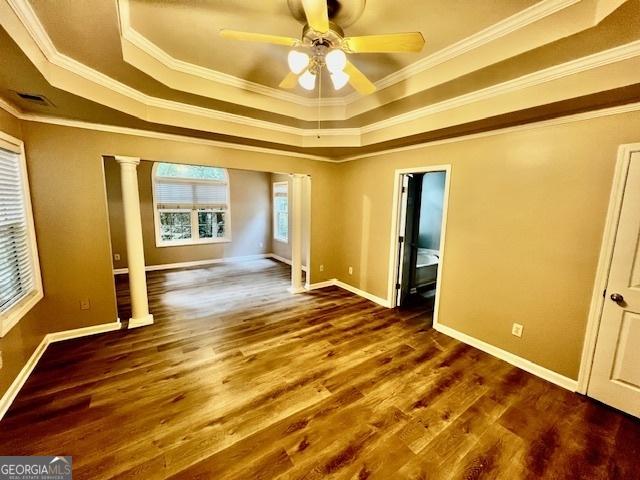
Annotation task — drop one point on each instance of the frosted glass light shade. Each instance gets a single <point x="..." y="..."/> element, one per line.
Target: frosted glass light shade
<point x="339" y="79"/>
<point x="297" y="61"/>
<point x="336" y="60"/>
<point x="307" y="80"/>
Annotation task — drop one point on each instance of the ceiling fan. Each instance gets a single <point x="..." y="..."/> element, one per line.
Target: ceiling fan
<point x="323" y="44"/>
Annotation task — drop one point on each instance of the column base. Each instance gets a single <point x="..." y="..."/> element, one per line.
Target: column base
<point x="140" y="322"/>
<point x="296" y="289"/>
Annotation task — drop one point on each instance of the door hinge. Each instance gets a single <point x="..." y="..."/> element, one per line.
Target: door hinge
<point x="398" y="286"/>
<point x="604" y="293"/>
<point x="400" y="239"/>
<point x="404" y="189"/>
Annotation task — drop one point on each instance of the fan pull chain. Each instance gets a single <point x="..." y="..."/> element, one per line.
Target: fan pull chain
<point x="319" y="99"/>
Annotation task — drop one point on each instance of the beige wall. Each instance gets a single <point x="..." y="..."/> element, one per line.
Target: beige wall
<point x="526" y="215"/>
<point x="250" y="194"/>
<point x="70" y="209"/>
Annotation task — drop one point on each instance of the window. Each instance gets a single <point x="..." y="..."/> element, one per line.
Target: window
<point x="20" y="283"/>
<point x="281" y="211"/>
<point x="191" y="204"/>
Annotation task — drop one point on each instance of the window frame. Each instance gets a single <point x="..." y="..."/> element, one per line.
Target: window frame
<point x="195" y="235"/>
<point x="11" y="317"/>
<point x="274" y="213"/>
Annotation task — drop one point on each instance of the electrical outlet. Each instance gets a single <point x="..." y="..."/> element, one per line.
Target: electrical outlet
<point x="322" y="268"/>
<point x="350" y="270"/>
<point x="517" y="330"/>
<point x="116" y="256"/>
<point x="85" y="304"/>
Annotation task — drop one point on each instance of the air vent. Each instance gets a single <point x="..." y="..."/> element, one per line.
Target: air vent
<point x="34" y="98"/>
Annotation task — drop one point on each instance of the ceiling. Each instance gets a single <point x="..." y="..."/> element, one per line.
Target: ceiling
<point x="161" y="65"/>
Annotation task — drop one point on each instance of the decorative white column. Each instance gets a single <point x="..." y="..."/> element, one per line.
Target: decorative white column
<point x="295" y="232"/>
<point x="135" y="248"/>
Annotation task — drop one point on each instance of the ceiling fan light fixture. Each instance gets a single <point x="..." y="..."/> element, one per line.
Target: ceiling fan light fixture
<point x="297" y="61"/>
<point x="339" y="79"/>
<point x="336" y="60"/>
<point x="307" y="80"/>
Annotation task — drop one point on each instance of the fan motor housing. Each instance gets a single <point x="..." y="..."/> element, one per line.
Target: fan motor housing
<point x="331" y="39"/>
<point x="343" y="12"/>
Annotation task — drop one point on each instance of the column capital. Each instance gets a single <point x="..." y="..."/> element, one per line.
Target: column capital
<point x="127" y="160"/>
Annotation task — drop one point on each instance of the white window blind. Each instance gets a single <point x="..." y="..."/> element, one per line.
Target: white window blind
<point x="16" y="264"/>
<point x="180" y="194"/>
<point x="191" y="204"/>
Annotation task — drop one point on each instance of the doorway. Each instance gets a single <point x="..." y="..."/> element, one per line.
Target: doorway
<point x="419" y="236"/>
<point x="611" y="362"/>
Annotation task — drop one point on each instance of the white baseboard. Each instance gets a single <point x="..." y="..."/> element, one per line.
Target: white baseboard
<point x="140" y="322"/>
<point x="285" y="260"/>
<point x="83" y="332"/>
<point x="380" y="301"/>
<point x="13" y="390"/>
<point x="524" y="364"/>
<point x="350" y="288"/>
<point x="316" y="286"/>
<point x="201" y="263"/>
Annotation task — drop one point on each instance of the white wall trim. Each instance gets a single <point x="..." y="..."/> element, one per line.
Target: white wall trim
<point x="9" y="396"/>
<point x="152" y="134"/>
<point x="334" y="282"/>
<point x="284" y="260"/>
<point x="515" y="360"/>
<point x="316" y="286"/>
<point x="201" y="263"/>
<point x="498" y="30"/>
<point x="560" y="120"/>
<point x="369" y="296"/>
<point x="153" y="50"/>
<point x="30" y="21"/>
<point x="550" y="74"/>
<point x="510" y="24"/>
<point x="604" y="263"/>
<point x="196" y="263"/>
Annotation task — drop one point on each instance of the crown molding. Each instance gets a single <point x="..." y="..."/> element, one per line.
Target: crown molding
<point x="504" y="27"/>
<point x="561" y="120"/>
<point x="99" y="127"/>
<point x="539" y="77"/>
<point x="498" y="30"/>
<point x="565" y="119"/>
<point x="30" y="21"/>
<point x="345" y="136"/>
<point x="143" y="43"/>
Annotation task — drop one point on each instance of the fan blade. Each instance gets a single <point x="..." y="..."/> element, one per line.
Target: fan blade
<point x="393" y="42"/>
<point x="317" y="14"/>
<point x="290" y="81"/>
<point x="358" y="80"/>
<point x="258" y="37"/>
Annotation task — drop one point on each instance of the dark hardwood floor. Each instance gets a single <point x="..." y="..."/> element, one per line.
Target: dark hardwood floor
<point x="239" y="379"/>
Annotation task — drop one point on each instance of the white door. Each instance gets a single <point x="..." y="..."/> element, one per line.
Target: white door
<point x="615" y="377"/>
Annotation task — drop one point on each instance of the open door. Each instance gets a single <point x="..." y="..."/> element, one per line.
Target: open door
<point x="419" y="233"/>
<point x="615" y="376"/>
<point x="403" y="263"/>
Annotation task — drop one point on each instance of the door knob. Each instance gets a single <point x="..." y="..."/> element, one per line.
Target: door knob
<point x="616" y="297"/>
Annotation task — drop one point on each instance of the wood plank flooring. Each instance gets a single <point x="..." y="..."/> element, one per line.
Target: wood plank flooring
<point x="238" y="379"/>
